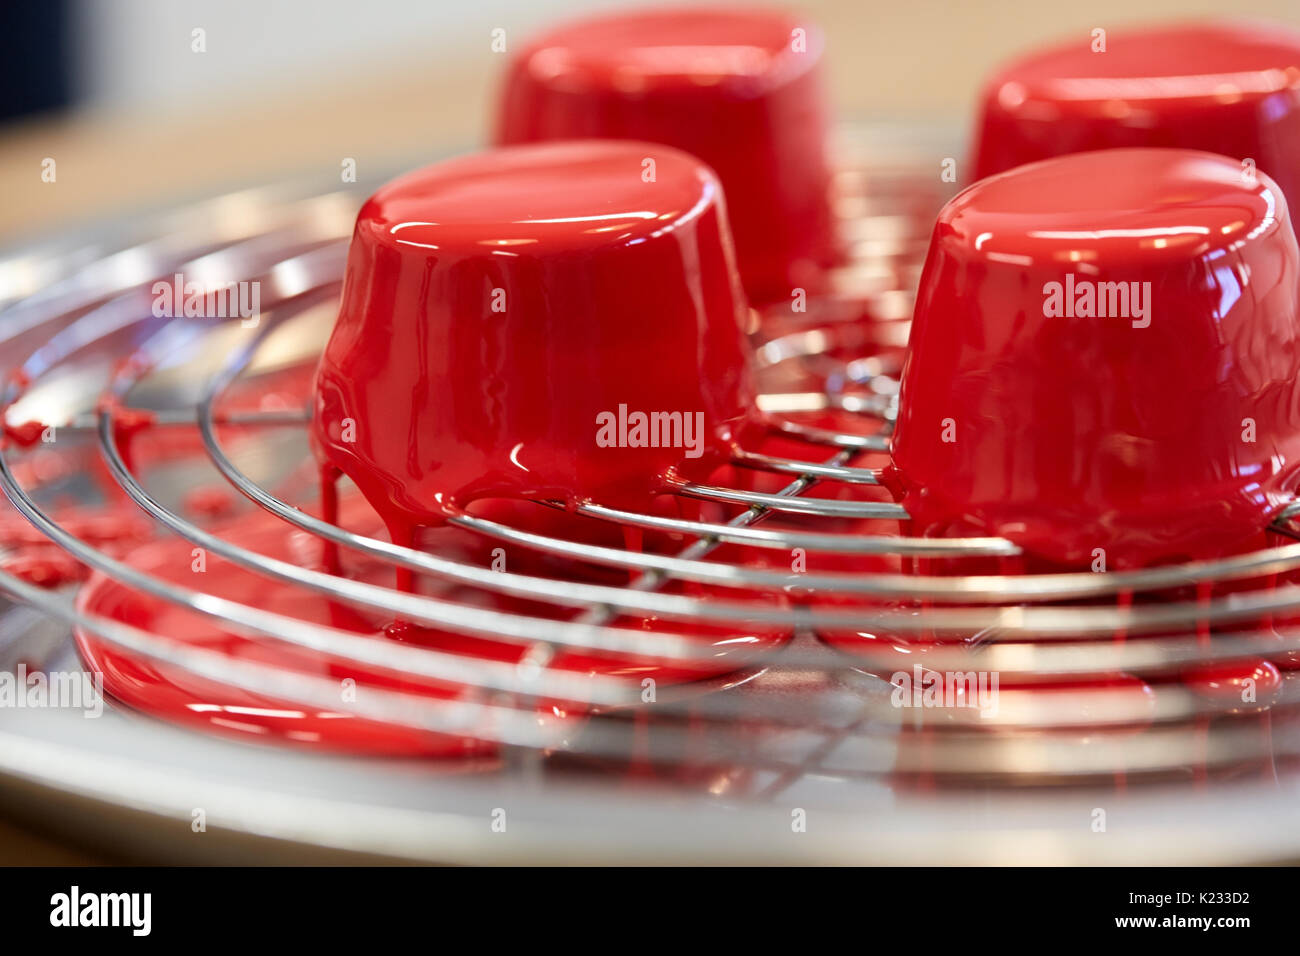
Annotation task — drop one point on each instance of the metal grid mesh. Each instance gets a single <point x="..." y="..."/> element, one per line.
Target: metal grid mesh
<point x="805" y="708"/>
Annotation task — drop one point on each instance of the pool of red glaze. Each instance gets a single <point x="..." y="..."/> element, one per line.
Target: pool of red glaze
<point x="182" y="697"/>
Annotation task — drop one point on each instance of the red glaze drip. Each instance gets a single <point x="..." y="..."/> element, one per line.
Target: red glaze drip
<point x="741" y="89"/>
<point x="210" y="501"/>
<point x="1070" y="433"/>
<point x="101" y="528"/>
<point x="46" y="566"/>
<point x="25" y="434"/>
<point x="30" y="555"/>
<point x="610" y="291"/>
<point x="1225" y="88"/>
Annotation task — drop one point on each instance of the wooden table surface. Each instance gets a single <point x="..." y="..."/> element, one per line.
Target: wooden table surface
<point x="19" y="846"/>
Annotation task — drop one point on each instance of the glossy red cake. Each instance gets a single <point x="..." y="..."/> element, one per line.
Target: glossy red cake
<point x="740" y="89"/>
<point x="1231" y="88"/>
<point x="543" y="322"/>
<point x="1037" y="404"/>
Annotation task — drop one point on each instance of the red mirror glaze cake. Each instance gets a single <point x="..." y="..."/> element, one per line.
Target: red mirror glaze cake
<point x="740" y="89"/>
<point x="1106" y="355"/>
<point x="556" y="321"/>
<point x="1231" y="88"/>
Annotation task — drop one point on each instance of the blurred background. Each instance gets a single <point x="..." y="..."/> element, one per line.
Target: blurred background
<point x="116" y="92"/>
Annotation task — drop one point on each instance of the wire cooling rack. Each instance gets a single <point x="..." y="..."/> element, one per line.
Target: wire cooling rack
<point x="806" y="726"/>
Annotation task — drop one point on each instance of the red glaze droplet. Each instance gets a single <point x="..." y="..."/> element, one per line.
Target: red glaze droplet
<point x="183" y="697"/>
<point x="1175" y="438"/>
<point x="501" y="310"/>
<point x="210" y="501"/>
<point x="1228" y="681"/>
<point x="46" y="567"/>
<point x="26" y="434"/>
<point x="1225" y="88"/>
<point x="741" y="89"/>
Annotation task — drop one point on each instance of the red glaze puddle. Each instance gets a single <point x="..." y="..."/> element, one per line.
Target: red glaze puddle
<point x="1231" y="681"/>
<point x="177" y="696"/>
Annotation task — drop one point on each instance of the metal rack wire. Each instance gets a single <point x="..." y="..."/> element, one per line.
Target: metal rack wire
<point x="1021" y="626"/>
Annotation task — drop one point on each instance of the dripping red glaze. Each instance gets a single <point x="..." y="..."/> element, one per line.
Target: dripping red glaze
<point x="1155" y="439"/>
<point x="741" y="89"/>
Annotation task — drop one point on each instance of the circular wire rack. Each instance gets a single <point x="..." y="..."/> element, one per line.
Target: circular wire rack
<point x="805" y="545"/>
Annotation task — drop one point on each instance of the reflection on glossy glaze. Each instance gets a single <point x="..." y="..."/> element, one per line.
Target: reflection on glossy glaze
<point x="1069" y="434"/>
<point x="740" y="89"/>
<point x="495" y="305"/>
<point x="1226" y="88"/>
